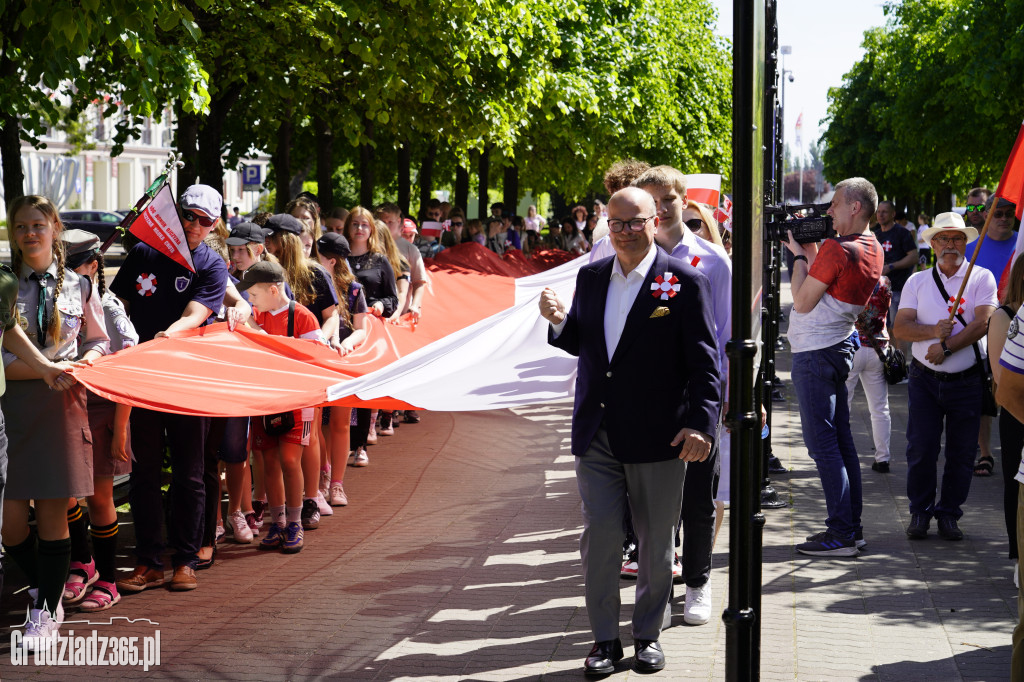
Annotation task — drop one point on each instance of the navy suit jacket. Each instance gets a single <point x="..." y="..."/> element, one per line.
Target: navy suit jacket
<point x="663" y="375"/>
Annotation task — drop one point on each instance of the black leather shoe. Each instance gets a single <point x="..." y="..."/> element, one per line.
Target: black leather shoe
<point x="647" y="657"/>
<point x="880" y="467"/>
<point x="918" y="528"/>
<point x="601" y="659"/>
<point x="948" y="530"/>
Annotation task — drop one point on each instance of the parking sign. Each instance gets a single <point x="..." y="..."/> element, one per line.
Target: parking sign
<point x="252" y="180"/>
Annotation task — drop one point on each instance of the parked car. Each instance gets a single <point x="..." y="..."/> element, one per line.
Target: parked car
<point x="100" y="223"/>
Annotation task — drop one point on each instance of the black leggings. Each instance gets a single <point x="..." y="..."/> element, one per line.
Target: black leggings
<point x="1011" y="441"/>
<point x="361" y="431"/>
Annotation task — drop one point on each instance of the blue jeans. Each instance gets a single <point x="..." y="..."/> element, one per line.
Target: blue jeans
<point x="936" y="405"/>
<point x="819" y="377"/>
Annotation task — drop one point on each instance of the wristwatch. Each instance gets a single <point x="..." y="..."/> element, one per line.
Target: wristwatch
<point x="945" y="349"/>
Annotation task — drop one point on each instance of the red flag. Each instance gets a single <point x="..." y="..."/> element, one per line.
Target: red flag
<point x="1011" y="188"/>
<point x="160" y="227"/>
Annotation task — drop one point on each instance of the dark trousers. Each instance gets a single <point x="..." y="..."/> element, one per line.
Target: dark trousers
<point x="361" y="431"/>
<point x="226" y="441"/>
<point x="697" y="518"/>
<point x="1011" y="441"/>
<point x="186" y="437"/>
<point x="935" y="405"/>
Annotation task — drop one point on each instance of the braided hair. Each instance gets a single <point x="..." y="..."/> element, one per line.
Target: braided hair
<point x="49" y="211"/>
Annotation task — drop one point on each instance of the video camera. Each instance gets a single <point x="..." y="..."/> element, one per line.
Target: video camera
<point x="815" y="226"/>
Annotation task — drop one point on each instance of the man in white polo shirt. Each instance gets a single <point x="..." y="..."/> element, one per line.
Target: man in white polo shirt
<point x="946" y="374"/>
<point x="1010" y="394"/>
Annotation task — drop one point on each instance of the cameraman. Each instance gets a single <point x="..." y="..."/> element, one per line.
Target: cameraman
<point x="830" y="288"/>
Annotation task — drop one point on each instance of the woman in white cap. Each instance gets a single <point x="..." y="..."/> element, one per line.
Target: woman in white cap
<point x="49" y="457"/>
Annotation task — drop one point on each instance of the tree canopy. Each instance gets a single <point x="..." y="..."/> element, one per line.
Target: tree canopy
<point x="932" y="107"/>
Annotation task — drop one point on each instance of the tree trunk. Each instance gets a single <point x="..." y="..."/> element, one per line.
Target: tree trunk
<point x="462" y="187"/>
<point x="510" y="189"/>
<point x="559" y="206"/>
<point x="404" y="174"/>
<point x="210" y="159"/>
<point x="324" y="163"/>
<point x="366" y="174"/>
<point x="10" y="153"/>
<point x="187" y="142"/>
<point x="944" y="199"/>
<point x="426" y="178"/>
<point x="483" y="171"/>
<point x="282" y="163"/>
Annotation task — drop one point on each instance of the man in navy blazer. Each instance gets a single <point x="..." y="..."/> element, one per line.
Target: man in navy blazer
<point x="647" y="401"/>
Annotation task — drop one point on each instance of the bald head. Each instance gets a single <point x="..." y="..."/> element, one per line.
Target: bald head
<point x="634" y="200"/>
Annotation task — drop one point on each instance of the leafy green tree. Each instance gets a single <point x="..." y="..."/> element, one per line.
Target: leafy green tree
<point x="80" y="51"/>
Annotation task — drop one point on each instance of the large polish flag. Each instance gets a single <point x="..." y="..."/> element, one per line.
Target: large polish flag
<point x="704" y="188"/>
<point x="1011" y="188"/>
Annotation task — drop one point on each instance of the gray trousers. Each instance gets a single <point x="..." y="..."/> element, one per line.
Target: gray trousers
<point x="653" y="492"/>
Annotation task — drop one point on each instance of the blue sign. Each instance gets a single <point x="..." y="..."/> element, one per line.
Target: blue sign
<point x="252" y="180"/>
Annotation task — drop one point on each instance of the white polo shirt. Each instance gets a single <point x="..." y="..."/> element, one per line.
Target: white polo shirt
<point x="1012" y="359"/>
<point x="921" y="295"/>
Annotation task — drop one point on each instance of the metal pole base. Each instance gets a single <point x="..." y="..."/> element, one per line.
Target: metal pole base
<point x="770" y="499"/>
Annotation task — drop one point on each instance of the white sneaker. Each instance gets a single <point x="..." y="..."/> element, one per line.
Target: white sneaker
<point x="698" y="605"/>
<point x="41" y="627"/>
<point x="240" y="528"/>
<point x="338" y="496"/>
<point x="630" y="567"/>
<point x="321" y="504"/>
<point x="360" y="458"/>
<point x="325" y="481"/>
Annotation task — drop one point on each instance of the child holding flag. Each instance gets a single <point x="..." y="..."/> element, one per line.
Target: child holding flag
<point x="281" y="450"/>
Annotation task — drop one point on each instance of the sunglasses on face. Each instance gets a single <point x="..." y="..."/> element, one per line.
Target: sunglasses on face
<point x="1008" y="213"/>
<point x="190" y="217"/>
<point x="458" y="224"/>
<point x="975" y="208"/>
<point x="695" y="224"/>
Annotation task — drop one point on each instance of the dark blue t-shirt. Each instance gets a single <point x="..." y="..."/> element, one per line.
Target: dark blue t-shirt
<point x="157" y="289"/>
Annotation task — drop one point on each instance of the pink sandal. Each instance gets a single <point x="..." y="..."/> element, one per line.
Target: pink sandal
<point x="101" y="597"/>
<point x="80" y="577"/>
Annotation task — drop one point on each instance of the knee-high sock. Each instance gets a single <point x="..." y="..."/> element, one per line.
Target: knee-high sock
<point x="54" y="559"/>
<point x="79" y="533"/>
<point x="24" y="557"/>
<point x="104" y="546"/>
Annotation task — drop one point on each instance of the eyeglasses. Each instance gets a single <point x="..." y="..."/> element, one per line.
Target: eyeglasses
<point x="455" y="224"/>
<point x="975" y="208"/>
<point x="695" y="224"/>
<point x="190" y="217"/>
<point x="635" y="224"/>
<point x="1002" y="214"/>
<point x="958" y="239"/>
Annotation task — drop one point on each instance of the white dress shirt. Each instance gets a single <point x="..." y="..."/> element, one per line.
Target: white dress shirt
<point x="622" y="293"/>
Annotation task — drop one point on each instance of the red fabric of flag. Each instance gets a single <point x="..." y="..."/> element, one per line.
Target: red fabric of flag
<point x="1011" y="184"/>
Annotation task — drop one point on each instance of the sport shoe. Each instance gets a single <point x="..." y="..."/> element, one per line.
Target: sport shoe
<point x="948" y="530"/>
<point x="292" y="538"/>
<point x="259" y="508"/>
<point x="828" y="544"/>
<point x="321" y="504"/>
<point x="360" y="458"/>
<point x="411" y="417"/>
<point x="220" y="533"/>
<point x="698" y="604"/>
<point x="41" y="628"/>
<point x="250" y="520"/>
<point x="858" y="539"/>
<point x="371" y="438"/>
<point x="310" y="515"/>
<point x="142" y="578"/>
<point x="880" y="467"/>
<point x="274" y="538"/>
<point x="240" y="528"/>
<point x="325" y="480"/>
<point x="338" y="496"/>
<point x="631" y="567"/>
<point x="388" y="430"/>
<point x="677" y="568"/>
<point x="918" y="528"/>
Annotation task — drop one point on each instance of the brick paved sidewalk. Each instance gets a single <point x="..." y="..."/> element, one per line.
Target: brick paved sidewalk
<point x="458" y="560"/>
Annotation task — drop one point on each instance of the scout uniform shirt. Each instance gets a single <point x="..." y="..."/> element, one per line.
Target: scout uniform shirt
<point x="157" y="289"/>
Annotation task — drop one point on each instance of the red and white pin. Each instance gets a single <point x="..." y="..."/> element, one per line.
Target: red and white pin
<point x="145" y="284"/>
<point x="665" y="286"/>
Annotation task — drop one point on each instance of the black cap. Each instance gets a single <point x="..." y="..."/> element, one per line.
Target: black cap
<point x="333" y="243"/>
<point x="282" y="222"/>
<point x="246" y="233"/>
<point x="263" y="272"/>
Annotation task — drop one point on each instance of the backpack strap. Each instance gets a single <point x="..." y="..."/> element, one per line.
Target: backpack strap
<point x="291" y="318"/>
